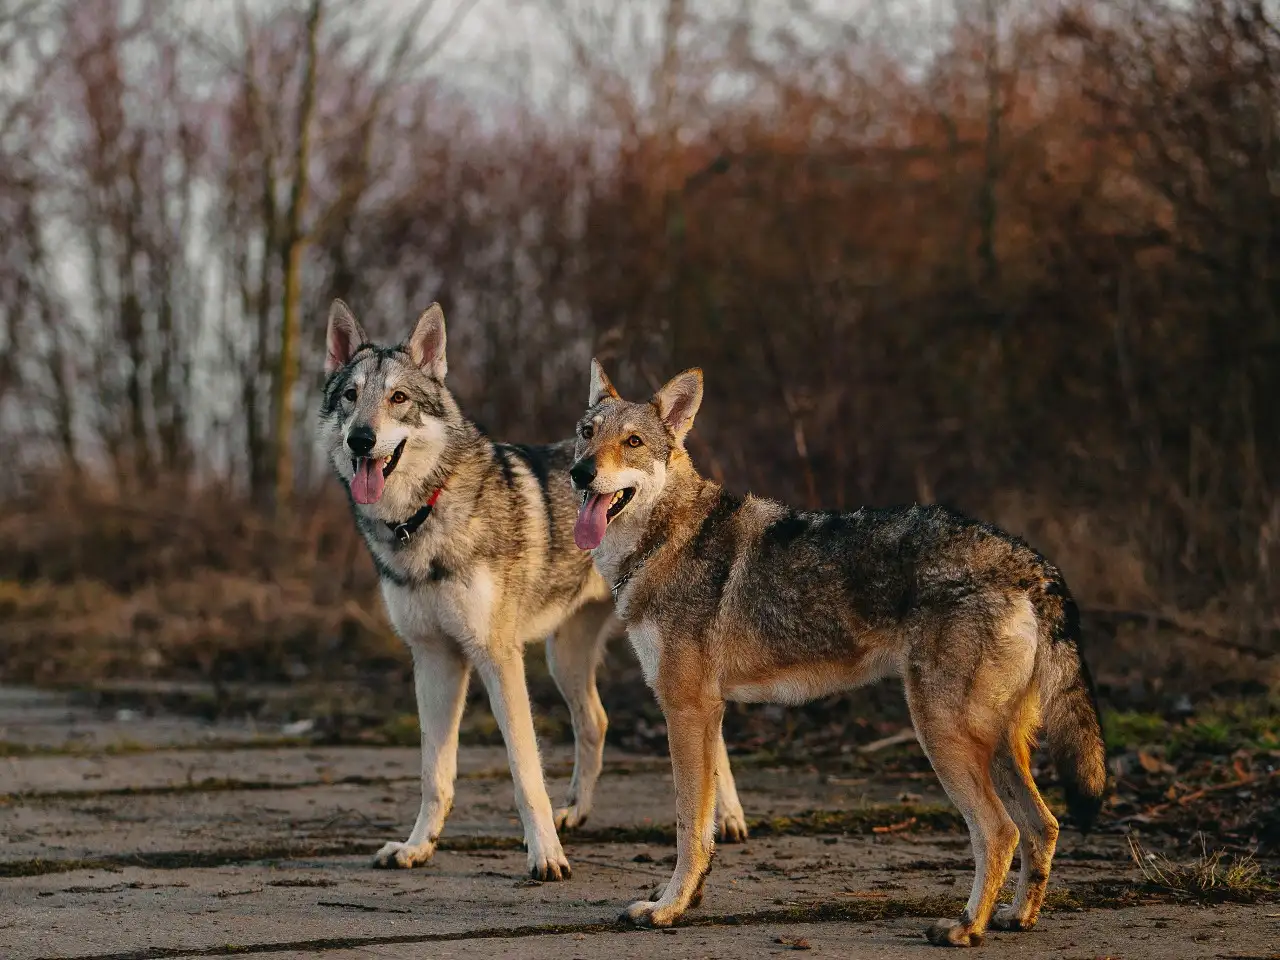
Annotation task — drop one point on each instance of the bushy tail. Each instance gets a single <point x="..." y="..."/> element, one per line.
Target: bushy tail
<point x="1069" y="705"/>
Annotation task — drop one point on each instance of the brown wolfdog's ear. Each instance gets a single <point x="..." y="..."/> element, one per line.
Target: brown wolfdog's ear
<point x="600" y="385"/>
<point x="678" y="402"/>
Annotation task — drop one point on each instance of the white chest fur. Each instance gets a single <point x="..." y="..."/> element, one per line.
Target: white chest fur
<point x="462" y="611"/>
<point x="646" y="641"/>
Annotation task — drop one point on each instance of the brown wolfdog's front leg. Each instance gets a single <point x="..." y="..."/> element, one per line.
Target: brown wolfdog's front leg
<point x="693" y="732"/>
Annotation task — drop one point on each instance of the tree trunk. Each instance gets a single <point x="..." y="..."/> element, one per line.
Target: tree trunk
<point x="991" y="160"/>
<point x="291" y="257"/>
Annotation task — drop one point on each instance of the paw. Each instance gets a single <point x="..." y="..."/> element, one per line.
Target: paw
<point x="548" y="863"/>
<point x="402" y="856"/>
<point x="952" y="933"/>
<point x="1007" y="918"/>
<point x="571" y="817"/>
<point x="732" y="828"/>
<point x="650" y="913"/>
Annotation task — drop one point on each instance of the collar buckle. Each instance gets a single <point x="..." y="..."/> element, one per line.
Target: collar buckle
<point x="404" y="531"/>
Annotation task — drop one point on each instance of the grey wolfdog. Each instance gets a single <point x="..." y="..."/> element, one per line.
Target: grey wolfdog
<point x="472" y="544"/>
<point x="729" y="598"/>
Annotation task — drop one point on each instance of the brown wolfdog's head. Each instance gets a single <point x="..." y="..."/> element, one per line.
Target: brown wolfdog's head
<point x="624" y="450"/>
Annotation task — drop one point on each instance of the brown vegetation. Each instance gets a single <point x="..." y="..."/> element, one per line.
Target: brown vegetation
<point x="1028" y="269"/>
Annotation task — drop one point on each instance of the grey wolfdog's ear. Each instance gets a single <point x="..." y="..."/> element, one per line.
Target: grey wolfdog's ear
<point x="426" y="343"/>
<point x="678" y="402"/>
<point x="600" y="385"/>
<point x="344" y="337"/>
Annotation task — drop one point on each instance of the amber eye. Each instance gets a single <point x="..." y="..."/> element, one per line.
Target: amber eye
<point x="634" y="441"/>
<point x="351" y="394"/>
<point x="399" y="397"/>
<point x="588" y="431"/>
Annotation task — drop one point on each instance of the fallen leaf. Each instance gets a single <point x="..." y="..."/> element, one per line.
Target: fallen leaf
<point x="1153" y="764"/>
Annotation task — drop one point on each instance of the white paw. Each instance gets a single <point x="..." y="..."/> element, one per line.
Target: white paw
<point x="402" y="856"/>
<point x="571" y="817"/>
<point x="547" y="862"/>
<point x="650" y="913"/>
<point x="731" y="827"/>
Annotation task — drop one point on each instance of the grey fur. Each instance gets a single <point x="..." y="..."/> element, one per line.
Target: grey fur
<point x="493" y="567"/>
<point x="741" y="598"/>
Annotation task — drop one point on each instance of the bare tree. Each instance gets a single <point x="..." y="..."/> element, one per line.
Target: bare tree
<point x="334" y="117"/>
<point x="291" y="244"/>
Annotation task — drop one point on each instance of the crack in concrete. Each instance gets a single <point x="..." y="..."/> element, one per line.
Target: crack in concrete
<point x="208" y="785"/>
<point x="228" y="784"/>
<point x="180" y="859"/>
<point x="127" y="748"/>
<point x="810" y="823"/>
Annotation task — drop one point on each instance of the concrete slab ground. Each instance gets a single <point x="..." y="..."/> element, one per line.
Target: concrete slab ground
<point x="184" y="851"/>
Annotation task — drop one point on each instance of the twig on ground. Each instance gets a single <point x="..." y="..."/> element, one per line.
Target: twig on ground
<point x="905" y="735"/>
<point x="896" y="827"/>
<point x="1186" y="798"/>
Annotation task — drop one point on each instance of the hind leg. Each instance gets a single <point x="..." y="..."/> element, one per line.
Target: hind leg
<point x="573" y="653"/>
<point x="1037" y="827"/>
<point x="731" y="822"/>
<point x="961" y="753"/>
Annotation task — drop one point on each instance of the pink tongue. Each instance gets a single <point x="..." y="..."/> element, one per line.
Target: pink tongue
<point x="367" y="484"/>
<point x="592" y="519"/>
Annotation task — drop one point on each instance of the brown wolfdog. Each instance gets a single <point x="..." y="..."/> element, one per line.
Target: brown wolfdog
<point x="731" y="598"/>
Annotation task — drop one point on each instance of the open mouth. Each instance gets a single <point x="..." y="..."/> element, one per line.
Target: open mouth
<point x="369" y="475"/>
<point x="597" y="512"/>
<point x="620" y="501"/>
<point x="388" y="463"/>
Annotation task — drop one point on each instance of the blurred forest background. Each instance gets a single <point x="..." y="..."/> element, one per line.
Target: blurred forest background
<point x="1021" y="257"/>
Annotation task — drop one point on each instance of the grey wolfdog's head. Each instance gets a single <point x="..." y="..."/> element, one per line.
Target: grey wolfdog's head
<point x="386" y="415"/>
<point x="625" y="450"/>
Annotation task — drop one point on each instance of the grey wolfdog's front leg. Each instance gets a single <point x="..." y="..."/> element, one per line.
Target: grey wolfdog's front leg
<point x="440" y="681"/>
<point x="693" y="733"/>
<point x="502" y="671"/>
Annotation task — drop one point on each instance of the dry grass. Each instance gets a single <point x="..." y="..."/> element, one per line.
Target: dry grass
<point x="1212" y="877"/>
<point x="1100" y="554"/>
<point x="186" y="584"/>
<point x="198" y="584"/>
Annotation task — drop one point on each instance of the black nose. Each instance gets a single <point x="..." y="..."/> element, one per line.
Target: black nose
<point x="583" y="472"/>
<point x="361" y="440"/>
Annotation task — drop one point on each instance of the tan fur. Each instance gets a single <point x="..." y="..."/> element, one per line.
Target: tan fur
<point x="743" y="599"/>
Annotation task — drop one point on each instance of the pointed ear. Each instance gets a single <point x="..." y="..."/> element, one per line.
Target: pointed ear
<point x="426" y="343"/>
<point x="344" y="337"/>
<point x="600" y="385"/>
<point x="678" y="402"/>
